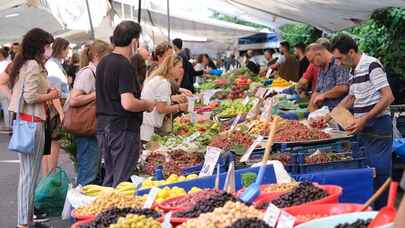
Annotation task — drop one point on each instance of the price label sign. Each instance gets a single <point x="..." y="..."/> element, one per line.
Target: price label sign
<point x="137" y="181"/>
<point x="246" y="100"/>
<point x="268" y="108"/>
<point x="260" y="92"/>
<point x="210" y="160"/>
<point x="285" y="220"/>
<point x="192" y="137"/>
<point x="249" y="151"/>
<point x="166" y="221"/>
<point x="151" y="197"/>
<point x="235" y="122"/>
<point x="271" y="215"/>
<point x="191" y="100"/>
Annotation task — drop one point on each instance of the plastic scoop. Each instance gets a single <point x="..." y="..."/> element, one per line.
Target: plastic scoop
<point x="253" y="191"/>
<point x="386" y="214"/>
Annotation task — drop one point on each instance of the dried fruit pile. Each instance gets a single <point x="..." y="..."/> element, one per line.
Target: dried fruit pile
<point x="294" y="131"/>
<point x="132" y="220"/>
<point x="224" y="216"/>
<point x="111" y="216"/>
<point x="324" y="157"/>
<point x="110" y="200"/>
<point x="249" y="223"/>
<point x="359" y="223"/>
<point x="284" y="158"/>
<point x="284" y="187"/>
<point x="173" y="162"/>
<point x="207" y="205"/>
<point x="304" y="193"/>
<point x="190" y="200"/>
<point x="229" y="141"/>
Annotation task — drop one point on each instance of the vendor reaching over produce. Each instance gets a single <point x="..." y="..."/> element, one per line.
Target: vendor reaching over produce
<point x="333" y="80"/>
<point x="157" y="87"/>
<point x="369" y="98"/>
<point x="287" y="65"/>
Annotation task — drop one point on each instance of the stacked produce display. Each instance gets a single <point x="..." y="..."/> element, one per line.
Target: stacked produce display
<point x="173" y="163"/>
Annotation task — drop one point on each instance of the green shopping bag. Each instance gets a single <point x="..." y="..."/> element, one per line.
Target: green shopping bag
<point x="51" y="192"/>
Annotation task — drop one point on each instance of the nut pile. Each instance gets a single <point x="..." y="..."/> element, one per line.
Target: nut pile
<point x="110" y="200"/>
<point x="227" y="141"/>
<point x="137" y="221"/>
<point x="284" y="187"/>
<point x="359" y="223"/>
<point x="112" y="215"/>
<point x="224" y="216"/>
<point x="249" y="223"/>
<point x="294" y="131"/>
<point x="324" y="157"/>
<point x="207" y="205"/>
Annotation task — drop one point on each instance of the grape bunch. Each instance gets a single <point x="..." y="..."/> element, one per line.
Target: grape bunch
<point x="359" y="223"/>
<point x="112" y="215"/>
<point x="207" y="205"/>
<point x="249" y="223"/>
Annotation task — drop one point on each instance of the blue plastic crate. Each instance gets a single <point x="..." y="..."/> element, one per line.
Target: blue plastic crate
<point x="209" y="181"/>
<point x="336" y="165"/>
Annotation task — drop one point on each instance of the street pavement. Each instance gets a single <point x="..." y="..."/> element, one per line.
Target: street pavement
<point x="9" y="173"/>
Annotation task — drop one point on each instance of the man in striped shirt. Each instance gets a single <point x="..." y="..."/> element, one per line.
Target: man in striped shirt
<point x="369" y="99"/>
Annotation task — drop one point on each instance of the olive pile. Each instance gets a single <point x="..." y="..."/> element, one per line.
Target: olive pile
<point x="249" y="223"/>
<point x="359" y="223"/>
<point x="111" y="216"/>
<point x="137" y="221"/>
<point x="304" y="193"/>
<point x="207" y="205"/>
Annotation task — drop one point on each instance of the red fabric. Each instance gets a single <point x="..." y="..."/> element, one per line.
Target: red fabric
<point x="28" y="118"/>
<point x="311" y="74"/>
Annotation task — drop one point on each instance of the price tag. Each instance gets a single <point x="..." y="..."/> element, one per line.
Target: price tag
<point x="271" y="215"/>
<point x="285" y="220"/>
<point x="192" y="137"/>
<point x="208" y="94"/>
<point x="191" y="100"/>
<point x="210" y="160"/>
<point x="246" y="100"/>
<point x="137" y="181"/>
<point x="166" y="221"/>
<point x="235" y="122"/>
<point x="151" y="197"/>
<point x="249" y="151"/>
<point x="268" y="109"/>
<point x="193" y="117"/>
<point x="260" y="92"/>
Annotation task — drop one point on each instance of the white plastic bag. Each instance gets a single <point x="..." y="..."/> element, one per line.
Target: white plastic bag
<point x="396" y="132"/>
<point x="67" y="207"/>
<point x="322" y="112"/>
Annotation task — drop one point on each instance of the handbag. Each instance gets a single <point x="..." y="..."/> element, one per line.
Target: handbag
<point x="81" y="120"/>
<point x="23" y="138"/>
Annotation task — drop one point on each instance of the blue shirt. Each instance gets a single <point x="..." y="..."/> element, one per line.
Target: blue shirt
<point x="331" y="76"/>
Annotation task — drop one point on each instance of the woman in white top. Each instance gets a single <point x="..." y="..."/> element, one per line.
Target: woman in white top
<point x="84" y="92"/>
<point x="157" y="87"/>
<point x="57" y="79"/>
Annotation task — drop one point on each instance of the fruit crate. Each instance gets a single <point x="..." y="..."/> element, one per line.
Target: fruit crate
<point x="335" y="165"/>
<point x="290" y="165"/>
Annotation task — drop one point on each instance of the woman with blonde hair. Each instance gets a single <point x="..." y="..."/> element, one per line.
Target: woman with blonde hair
<point x="84" y="92"/>
<point x="157" y="87"/>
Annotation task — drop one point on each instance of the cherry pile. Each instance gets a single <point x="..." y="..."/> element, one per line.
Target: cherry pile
<point x="249" y="223"/>
<point x="359" y="223"/>
<point x="111" y="216"/>
<point x="207" y="205"/>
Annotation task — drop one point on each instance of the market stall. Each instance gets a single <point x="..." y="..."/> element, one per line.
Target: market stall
<point x="213" y="157"/>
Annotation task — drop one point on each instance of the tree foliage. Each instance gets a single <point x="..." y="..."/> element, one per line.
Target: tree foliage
<point x="296" y="33"/>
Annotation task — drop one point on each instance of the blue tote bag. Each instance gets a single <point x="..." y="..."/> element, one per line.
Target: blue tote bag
<point x="23" y="138"/>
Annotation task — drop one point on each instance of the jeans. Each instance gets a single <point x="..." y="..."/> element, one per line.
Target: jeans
<point x="376" y="138"/>
<point x="121" y="149"/>
<point x="88" y="159"/>
<point x="4" y="106"/>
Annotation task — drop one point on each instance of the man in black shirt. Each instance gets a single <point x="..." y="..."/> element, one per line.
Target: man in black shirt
<point x="302" y="59"/>
<point x="119" y="109"/>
